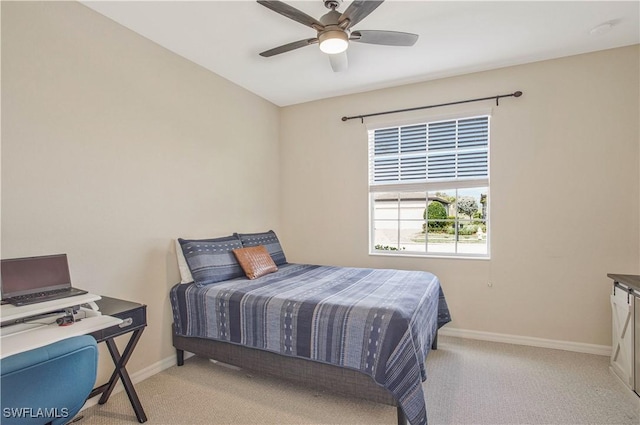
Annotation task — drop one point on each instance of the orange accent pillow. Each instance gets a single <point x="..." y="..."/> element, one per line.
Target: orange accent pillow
<point x="255" y="261"/>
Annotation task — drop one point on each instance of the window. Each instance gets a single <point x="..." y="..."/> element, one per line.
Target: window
<point x="429" y="188"/>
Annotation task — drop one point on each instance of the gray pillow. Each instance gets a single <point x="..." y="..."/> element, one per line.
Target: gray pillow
<point x="269" y="240"/>
<point x="212" y="260"/>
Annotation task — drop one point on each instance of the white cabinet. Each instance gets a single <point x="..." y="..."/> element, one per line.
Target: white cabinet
<point x="637" y="344"/>
<point x="622" y="358"/>
<point x="625" y="309"/>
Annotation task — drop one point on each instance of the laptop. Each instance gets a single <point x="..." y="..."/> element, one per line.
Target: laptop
<point x="36" y="279"/>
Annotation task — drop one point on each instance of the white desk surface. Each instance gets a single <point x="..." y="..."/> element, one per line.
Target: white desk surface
<point x="44" y="334"/>
<point x="10" y="312"/>
<point x="41" y="331"/>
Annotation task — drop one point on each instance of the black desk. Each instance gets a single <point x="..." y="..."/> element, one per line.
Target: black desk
<point x="134" y="318"/>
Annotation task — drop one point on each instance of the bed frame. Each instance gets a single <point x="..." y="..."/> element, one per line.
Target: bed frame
<point x="321" y="376"/>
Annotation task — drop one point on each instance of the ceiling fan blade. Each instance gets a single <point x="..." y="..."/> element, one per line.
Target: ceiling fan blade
<point x="288" y="47"/>
<point x="338" y="61"/>
<point x="292" y="13"/>
<point x="358" y="10"/>
<point x="387" y="38"/>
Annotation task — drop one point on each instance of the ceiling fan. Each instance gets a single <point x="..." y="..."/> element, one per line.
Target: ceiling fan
<point x="334" y="30"/>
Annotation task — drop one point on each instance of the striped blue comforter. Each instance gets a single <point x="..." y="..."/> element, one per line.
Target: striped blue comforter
<point x="380" y="322"/>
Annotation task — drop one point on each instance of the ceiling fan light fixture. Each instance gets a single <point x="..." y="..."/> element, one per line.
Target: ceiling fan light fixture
<point x="333" y="41"/>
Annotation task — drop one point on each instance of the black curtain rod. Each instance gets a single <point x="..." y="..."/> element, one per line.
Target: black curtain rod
<point x="497" y="98"/>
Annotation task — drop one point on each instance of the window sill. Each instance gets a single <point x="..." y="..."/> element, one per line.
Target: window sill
<point x="431" y="256"/>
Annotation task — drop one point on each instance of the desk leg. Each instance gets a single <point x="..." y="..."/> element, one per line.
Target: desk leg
<point x="120" y="371"/>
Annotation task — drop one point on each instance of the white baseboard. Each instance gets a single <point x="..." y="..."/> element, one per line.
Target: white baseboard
<point x="579" y="347"/>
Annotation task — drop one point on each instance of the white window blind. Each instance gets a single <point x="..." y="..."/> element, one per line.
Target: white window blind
<point x="451" y="150"/>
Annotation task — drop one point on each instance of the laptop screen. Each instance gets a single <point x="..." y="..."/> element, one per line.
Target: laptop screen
<point x="21" y="276"/>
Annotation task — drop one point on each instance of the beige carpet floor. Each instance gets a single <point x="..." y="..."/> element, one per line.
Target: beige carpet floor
<point x="469" y="382"/>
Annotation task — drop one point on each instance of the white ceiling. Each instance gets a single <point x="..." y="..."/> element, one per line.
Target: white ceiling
<point x="456" y="37"/>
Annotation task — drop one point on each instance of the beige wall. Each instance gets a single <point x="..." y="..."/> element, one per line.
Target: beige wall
<point x="112" y="146"/>
<point x="564" y="191"/>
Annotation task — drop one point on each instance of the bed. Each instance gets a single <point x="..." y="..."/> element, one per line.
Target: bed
<point x="351" y="331"/>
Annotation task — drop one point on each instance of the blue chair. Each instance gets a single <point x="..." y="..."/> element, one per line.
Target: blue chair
<point x="48" y="384"/>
